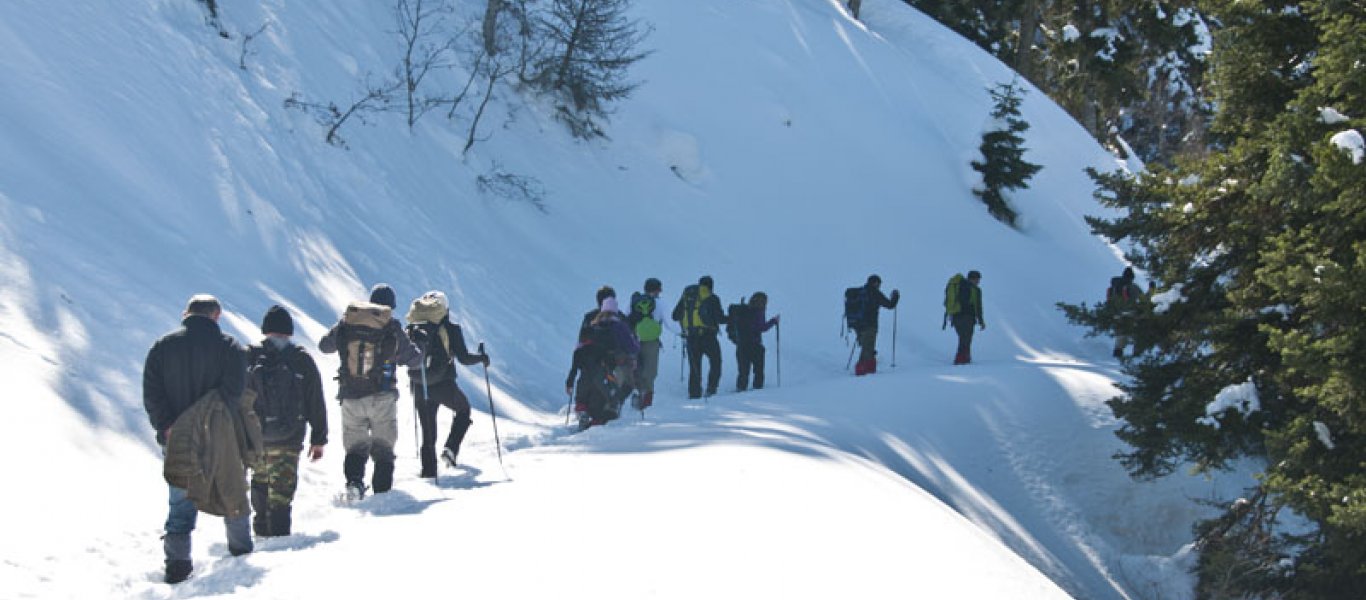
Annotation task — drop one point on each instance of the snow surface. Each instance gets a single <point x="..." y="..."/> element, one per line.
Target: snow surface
<point x="1242" y="398"/>
<point x="1352" y="142"/>
<point x="776" y="144"/>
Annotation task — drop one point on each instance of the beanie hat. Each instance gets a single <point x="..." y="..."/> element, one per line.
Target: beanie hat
<point x="609" y="305"/>
<point x="974" y="275"/>
<point x="874" y="280"/>
<point x="383" y="294"/>
<point x="277" y="320"/>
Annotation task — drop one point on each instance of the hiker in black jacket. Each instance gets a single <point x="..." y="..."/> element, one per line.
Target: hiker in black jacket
<point x="367" y="387"/>
<point x="289" y="404"/>
<point x="969" y="314"/>
<point x="700" y="316"/>
<point x="866" y="334"/>
<point x="749" y="340"/>
<point x="181" y="367"/>
<point x="433" y="382"/>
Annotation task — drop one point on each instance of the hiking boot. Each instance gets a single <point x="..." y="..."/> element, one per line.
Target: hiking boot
<point x="448" y="456"/>
<point x="178" y="570"/>
<point x="1119" y="353"/>
<point x="355" y="491"/>
<point x="647" y="400"/>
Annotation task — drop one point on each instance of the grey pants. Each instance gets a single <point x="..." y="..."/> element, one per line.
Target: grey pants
<point x="649" y="366"/>
<point x="370" y="424"/>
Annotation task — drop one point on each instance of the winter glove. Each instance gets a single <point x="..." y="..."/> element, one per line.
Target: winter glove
<point x="484" y="358"/>
<point x="895" y="294"/>
<point x="568" y="389"/>
<point x="315" y="453"/>
<point x="419" y="336"/>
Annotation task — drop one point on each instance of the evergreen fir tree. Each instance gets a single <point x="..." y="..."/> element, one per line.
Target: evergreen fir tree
<point x="592" y="47"/>
<point x="1262" y="250"/>
<point x="1003" y="166"/>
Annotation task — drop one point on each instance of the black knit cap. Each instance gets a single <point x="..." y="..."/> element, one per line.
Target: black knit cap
<point x="653" y="285"/>
<point x="277" y="320"/>
<point x="383" y="294"/>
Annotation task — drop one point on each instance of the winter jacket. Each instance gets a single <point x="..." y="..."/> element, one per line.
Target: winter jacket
<point x="406" y="354"/>
<point x="751" y="329"/>
<point x="184" y="365"/>
<point x="440" y="352"/>
<point x="312" y="408"/>
<point x="876" y="301"/>
<point x="208" y="448"/>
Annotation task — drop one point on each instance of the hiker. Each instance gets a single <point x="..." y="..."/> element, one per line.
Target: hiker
<point x="189" y="372"/>
<point x="289" y="401"/>
<point x="595" y="362"/>
<point x="748" y="324"/>
<point x="624" y="372"/>
<point x="854" y="7"/>
<point x="861" y="306"/>
<point x="699" y="315"/>
<point x="647" y="319"/>
<point x="433" y="381"/>
<point x="371" y="344"/>
<point x="1125" y="298"/>
<point x="963" y="307"/>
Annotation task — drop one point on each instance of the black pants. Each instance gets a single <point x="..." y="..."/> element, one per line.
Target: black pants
<point x="444" y="393"/>
<point x="749" y="355"/>
<point x="963" y="324"/>
<point x="703" y="344"/>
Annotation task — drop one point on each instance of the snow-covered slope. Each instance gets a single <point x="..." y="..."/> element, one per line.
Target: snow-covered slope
<point x="775" y="144"/>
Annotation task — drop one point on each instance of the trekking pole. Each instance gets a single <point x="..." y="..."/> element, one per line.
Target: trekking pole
<point x="895" y="313"/>
<point x="851" y="357"/>
<point x="569" y="408"/>
<point x="779" y="333"/>
<point x="417" y="416"/>
<point x="488" y="389"/>
<point x="681" y="358"/>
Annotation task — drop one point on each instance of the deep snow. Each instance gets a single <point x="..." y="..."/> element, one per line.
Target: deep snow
<point x="776" y="144"/>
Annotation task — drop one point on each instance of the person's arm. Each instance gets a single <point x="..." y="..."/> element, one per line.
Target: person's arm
<point x="573" y="372"/>
<point x="889" y="303"/>
<point x="328" y="344"/>
<point x="315" y="408"/>
<point x="154" y="392"/>
<point x="462" y="353"/>
<point x="408" y="353"/>
<point x="981" y="322"/>
<point x="234" y="370"/>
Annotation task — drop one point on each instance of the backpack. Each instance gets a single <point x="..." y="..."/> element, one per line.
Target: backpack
<point x="855" y="307"/>
<point x="737" y="315"/>
<point x="646" y="327"/>
<point x="1118" y="289"/>
<point x="279" y="394"/>
<point x="436" y="353"/>
<point x="367" y="350"/>
<point x="952" y="305"/>
<point x="686" y="311"/>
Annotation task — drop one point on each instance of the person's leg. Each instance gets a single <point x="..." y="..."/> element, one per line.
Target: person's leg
<point x="741" y="367"/>
<point x="239" y="534"/>
<point x="757" y="357"/>
<point x="180" y="522"/>
<point x="460" y="423"/>
<point x="384" y="416"/>
<point x="964" y="329"/>
<point x="695" y="367"/>
<point x="426" y="417"/>
<point x="280" y="479"/>
<point x="355" y="439"/>
<point x="713" y="350"/>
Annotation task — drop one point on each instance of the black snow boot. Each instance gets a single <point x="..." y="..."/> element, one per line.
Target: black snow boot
<point x="354" y="467"/>
<point x="280" y="520"/>
<point x="260" y="508"/>
<point x="384" y="475"/>
<point x="178" y="570"/>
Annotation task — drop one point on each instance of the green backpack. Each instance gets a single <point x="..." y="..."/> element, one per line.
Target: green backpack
<point x="646" y="327"/>
<point x="951" y="304"/>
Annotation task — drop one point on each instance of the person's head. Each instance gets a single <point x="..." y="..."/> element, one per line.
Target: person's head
<point x="975" y="277"/>
<point x="203" y="305"/>
<point x="874" y="281"/>
<point x="277" y="322"/>
<point x="383" y="294"/>
<point x="604" y="293"/>
<point x="707" y="282"/>
<point x="653" y="287"/>
<point x="1128" y="274"/>
<point x="609" y="305"/>
<point x="759" y="300"/>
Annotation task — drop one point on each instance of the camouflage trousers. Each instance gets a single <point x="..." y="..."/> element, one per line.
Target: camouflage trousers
<point x="273" y="482"/>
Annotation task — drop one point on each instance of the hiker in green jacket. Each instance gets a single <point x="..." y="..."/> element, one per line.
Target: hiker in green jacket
<point x="963" y="305"/>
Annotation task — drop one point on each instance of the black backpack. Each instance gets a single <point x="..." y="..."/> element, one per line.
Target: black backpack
<point x="279" y="393"/>
<point x="737" y="320"/>
<point x="855" y="306"/>
<point x="1119" y="288"/>
<point x="436" y="352"/>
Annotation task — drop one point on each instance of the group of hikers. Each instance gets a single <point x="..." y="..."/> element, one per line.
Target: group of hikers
<point x="220" y="410"/>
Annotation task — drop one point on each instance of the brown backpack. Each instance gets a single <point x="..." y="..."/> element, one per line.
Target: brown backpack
<point x="367" y="346"/>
